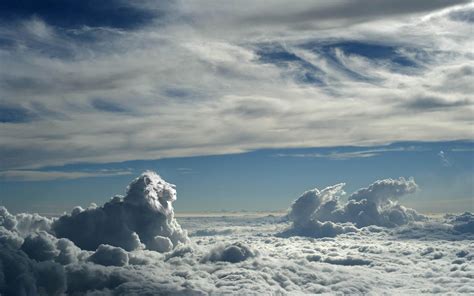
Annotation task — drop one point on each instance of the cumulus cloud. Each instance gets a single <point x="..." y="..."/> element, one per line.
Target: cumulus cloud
<point x="233" y="253"/>
<point x="40" y="247"/>
<point x="463" y="223"/>
<point x="249" y="259"/>
<point x="144" y="218"/>
<point x="109" y="256"/>
<point x="317" y="229"/>
<point x="21" y="275"/>
<point x="383" y="190"/>
<point x="314" y="212"/>
<point x="24" y="224"/>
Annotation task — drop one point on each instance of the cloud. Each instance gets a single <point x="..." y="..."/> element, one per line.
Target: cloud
<point x="160" y="244"/>
<point x="317" y="229"/>
<point x="40" y="247"/>
<point x="24" y="224"/>
<point x="315" y="83"/>
<point x="211" y="232"/>
<point x="314" y="212"/>
<point x="380" y="192"/>
<point x="436" y="103"/>
<point x="32" y="175"/>
<point x="349" y="261"/>
<point x="141" y="219"/>
<point x="463" y="223"/>
<point x="109" y="256"/>
<point x="233" y="253"/>
<point x="325" y="257"/>
<point x="444" y="160"/>
<point x="23" y="276"/>
<point x="350" y="154"/>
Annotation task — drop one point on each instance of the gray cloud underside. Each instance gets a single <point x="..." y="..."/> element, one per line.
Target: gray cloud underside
<point x="222" y="81"/>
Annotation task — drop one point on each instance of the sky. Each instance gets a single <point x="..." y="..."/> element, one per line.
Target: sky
<point x="243" y="105"/>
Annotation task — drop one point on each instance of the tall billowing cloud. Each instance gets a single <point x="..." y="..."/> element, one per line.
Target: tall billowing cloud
<point x="144" y="218"/>
<point x="314" y="213"/>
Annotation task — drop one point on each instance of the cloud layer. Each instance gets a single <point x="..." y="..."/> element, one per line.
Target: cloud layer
<point x="214" y="78"/>
<point x="242" y="255"/>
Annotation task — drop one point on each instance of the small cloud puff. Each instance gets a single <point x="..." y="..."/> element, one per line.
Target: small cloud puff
<point x="109" y="256"/>
<point x="233" y="253"/>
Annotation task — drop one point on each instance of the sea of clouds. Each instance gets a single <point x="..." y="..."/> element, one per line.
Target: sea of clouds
<point x="366" y="243"/>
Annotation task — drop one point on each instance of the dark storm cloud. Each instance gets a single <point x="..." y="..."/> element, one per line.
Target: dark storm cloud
<point x="71" y="13"/>
<point x="22" y="276"/>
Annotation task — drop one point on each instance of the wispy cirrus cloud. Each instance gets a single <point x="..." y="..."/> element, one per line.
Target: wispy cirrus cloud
<point x="35" y="175"/>
<point x="199" y="80"/>
<point x="352" y="154"/>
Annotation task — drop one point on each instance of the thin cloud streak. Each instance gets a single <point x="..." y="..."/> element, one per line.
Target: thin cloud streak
<point x="350" y="155"/>
<point x="32" y="175"/>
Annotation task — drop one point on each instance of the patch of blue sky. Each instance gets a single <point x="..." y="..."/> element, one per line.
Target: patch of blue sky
<point x="396" y="58"/>
<point x="107" y="105"/>
<point x="72" y="13"/>
<point x="15" y="114"/>
<point x="183" y="93"/>
<point x="298" y="68"/>
<point x="269" y="179"/>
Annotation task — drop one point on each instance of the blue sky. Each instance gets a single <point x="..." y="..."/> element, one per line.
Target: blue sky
<point x="242" y="106"/>
<point x="268" y="179"/>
